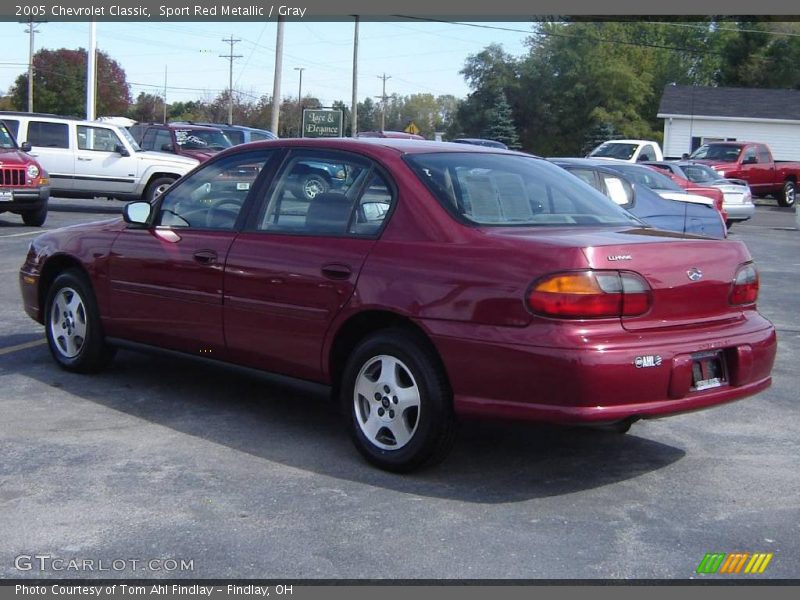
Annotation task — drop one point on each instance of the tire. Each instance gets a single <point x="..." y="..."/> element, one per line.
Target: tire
<point x="35" y="218"/>
<point x="157" y="187"/>
<point x="311" y="185"/>
<point x="787" y="196"/>
<point x="72" y="324"/>
<point x="410" y="425"/>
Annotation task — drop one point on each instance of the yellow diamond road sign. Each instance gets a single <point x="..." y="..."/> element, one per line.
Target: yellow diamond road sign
<point x="412" y="128"/>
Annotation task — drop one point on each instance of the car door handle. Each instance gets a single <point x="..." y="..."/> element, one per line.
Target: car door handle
<point x="83" y="158"/>
<point x="336" y="271"/>
<point x="205" y="257"/>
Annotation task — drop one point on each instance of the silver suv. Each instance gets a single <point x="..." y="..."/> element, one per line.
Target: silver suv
<point x="92" y="158"/>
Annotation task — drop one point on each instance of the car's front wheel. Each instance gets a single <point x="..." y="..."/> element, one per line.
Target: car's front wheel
<point x="157" y="187"/>
<point x="35" y="218"/>
<point x="72" y="322"/>
<point x="399" y="402"/>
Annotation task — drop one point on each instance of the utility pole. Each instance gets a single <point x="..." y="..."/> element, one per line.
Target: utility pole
<point x="91" y="75"/>
<point x="165" y="94"/>
<point x="300" y="98"/>
<point x="31" y="30"/>
<point x="276" y="83"/>
<point x="383" y="97"/>
<point x="231" y="40"/>
<point x="354" y="109"/>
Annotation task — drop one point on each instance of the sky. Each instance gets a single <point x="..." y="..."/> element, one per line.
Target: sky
<point x="420" y="57"/>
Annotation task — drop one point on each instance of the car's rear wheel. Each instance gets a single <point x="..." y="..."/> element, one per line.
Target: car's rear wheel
<point x="399" y="402"/>
<point x="72" y="323"/>
<point x="35" y="218"/>
<point x="312" y="185"/>
<point x="788" y="194"/>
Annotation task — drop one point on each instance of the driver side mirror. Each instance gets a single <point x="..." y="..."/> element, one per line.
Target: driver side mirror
<point x="137" y="213"/>
<point x="120" y="149"/>
<point x="167" y="148"/>
<point x="750" y="160"/>
<point x="25" y="146"/>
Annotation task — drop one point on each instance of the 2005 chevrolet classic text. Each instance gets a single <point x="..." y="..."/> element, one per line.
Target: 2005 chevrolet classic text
<point x="437" y="281"/>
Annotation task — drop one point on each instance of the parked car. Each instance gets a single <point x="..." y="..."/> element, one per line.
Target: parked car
<point x="753" y="163"/>
<point x="642" y="202"/>
<point x="389" y="290"/>
<point x="737" y="199"/>
<point x="90" y="158"/>
<point x="666" y="187"/>
<point x="192" y="141"/>
<point x="24" y="185"/>
<point x="628" y="150"/>
<point x="237" y="134"/>
<point x="481" y="142"/>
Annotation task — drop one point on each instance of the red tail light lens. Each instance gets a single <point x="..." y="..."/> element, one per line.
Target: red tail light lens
<point x="745" y="285"/>
<point x="590" y="295"/>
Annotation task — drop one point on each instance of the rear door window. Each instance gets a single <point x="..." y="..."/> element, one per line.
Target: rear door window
<point x="48" y="135"/>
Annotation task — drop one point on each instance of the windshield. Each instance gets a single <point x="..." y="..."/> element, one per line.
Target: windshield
<point x="127" y="135"/>
<point x="201" y="139"/>
<point x="648" y="177"/>
<point x="615" y="150"/>
<point x="503" y="190"/>
<point x="700" y="173"/>
<point x="6" y="140"/>
<point x="720" y="152"/>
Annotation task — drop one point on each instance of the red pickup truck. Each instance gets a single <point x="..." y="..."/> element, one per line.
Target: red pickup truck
<point x="753" y="163"/>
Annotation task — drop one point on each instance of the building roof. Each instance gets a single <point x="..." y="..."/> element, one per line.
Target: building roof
<point x="745" y="103"/>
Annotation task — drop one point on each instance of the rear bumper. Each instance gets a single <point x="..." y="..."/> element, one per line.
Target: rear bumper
<point x="600" y="383"/>
<point x="739" y="212"/>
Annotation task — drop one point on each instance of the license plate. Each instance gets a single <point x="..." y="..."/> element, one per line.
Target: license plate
<point x="709" y="371"/>
<point x="6" y="196"/>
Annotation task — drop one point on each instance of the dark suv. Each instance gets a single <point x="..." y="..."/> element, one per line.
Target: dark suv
<point x="194" y="141"/>
<point x="237" y="134"/>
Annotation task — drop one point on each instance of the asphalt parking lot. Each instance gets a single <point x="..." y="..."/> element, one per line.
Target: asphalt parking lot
<point x="240" y="476"/>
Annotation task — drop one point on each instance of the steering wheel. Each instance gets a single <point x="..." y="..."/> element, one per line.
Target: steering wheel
<point x="222" y="213"/>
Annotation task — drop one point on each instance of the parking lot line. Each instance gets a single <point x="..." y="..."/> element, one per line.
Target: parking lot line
<point x="24" y="346"/>
<point x="24" y="233"/>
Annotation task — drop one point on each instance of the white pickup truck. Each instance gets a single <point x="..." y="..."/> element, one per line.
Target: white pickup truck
<point x="628" y="150"/>
<point x="93" y="158"/>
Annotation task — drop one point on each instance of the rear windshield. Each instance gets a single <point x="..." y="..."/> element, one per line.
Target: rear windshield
<point x="506" y="189"/>
<point x="615" y="150"/>
<point x="720" y="152"/>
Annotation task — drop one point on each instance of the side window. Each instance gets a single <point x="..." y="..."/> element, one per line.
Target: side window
<point x="619" y="190"/>
<point x="763" y="155"/>
<point x="587" y="176"/>
<point x="235" y="136"/>
<point x="256" y="137"/>
<point x="322" y="194"/>
<point x="98" y="139"/>
<point x="163" y="138"/>
<point x="48" y="135"/>
<point x="648" y="153"/>
<point x="13" y="126"/>
<point x="148" y="140"/>
<point x="212" y="198"/>
<point x="749" y="156"/>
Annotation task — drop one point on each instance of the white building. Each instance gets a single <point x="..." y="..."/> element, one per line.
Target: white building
<point x="694" y="115"/>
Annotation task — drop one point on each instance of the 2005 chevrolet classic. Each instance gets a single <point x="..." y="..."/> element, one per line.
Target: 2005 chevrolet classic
<point x="436" y="281"/>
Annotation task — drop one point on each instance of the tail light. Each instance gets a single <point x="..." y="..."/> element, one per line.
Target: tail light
<point x="745" y="285"/>
<point x="590" y="295"/>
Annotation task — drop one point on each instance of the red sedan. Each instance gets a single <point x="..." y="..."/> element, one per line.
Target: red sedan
<point x="434" y="281"/>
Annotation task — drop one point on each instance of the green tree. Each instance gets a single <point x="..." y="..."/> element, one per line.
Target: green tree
<point x="147" y="108"/>
<point x="59" y="84"/>
<point x="499" y="124"/>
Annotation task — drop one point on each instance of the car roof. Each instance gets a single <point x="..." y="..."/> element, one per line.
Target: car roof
<point x="402" y="146"/>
